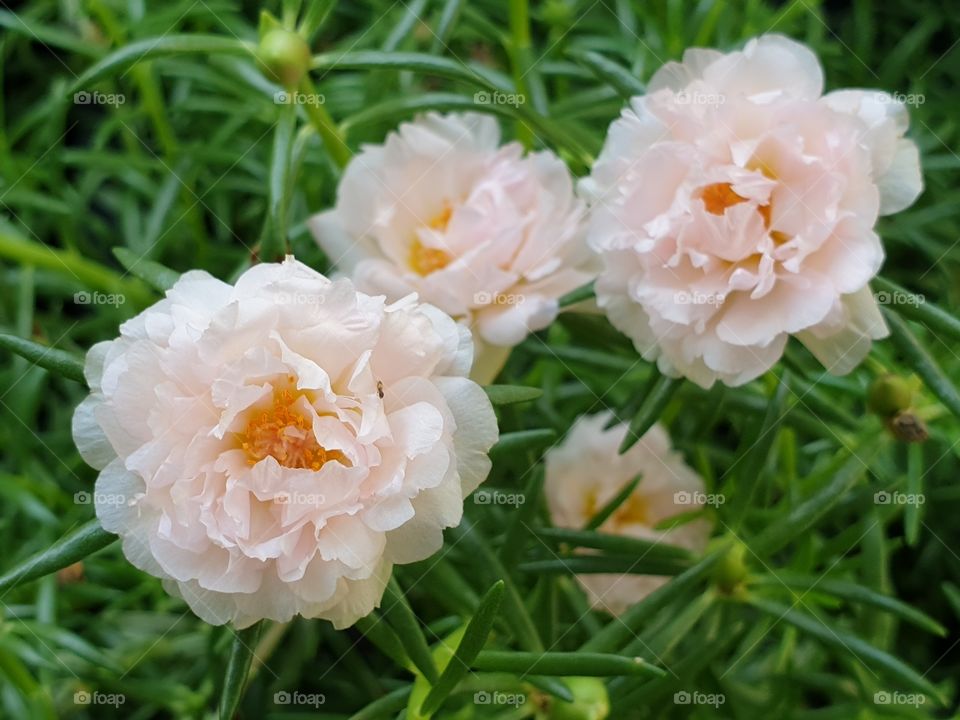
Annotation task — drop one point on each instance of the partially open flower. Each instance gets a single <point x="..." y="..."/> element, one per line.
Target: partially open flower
<point x="274" y="447"/>
<point x="485" y="233"/>
<point x="734" y="205"/>
<point x="586" y="472"/>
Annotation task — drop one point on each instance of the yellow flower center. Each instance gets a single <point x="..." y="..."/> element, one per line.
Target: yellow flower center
<point x="425" y="260"/>
<point x="590" y="504"/>
<point x="286" y="435"/>
<point x="633" y="511"/>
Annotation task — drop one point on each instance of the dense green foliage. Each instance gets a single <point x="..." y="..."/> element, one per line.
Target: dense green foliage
<point x="818" y="597"/>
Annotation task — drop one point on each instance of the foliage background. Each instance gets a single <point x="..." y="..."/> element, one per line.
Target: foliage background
<point x="190" y="170"/>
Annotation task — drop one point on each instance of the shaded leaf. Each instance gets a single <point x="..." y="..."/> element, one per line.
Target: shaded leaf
<point x="238" y="667"/>
<point x="65" y="551"/>
<point x="474" y="638"/>
<point x="847" y="643"/>
<point x="57" y="361"/>
<point x="157" y="276"/>
<point x="661" y="389"/>
<point x="610" y="72"/>
<point x="583" y="664"/>
<point x="510" y="394"/>
<point x="397" y="611"/>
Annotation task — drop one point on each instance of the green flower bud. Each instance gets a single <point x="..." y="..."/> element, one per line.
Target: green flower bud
<point x="889" y="394"/>
<point x="557" y="13"/>
<point x="284" y="57"/>
<point x="590" y="701"/>
<point x="731" y="570"/>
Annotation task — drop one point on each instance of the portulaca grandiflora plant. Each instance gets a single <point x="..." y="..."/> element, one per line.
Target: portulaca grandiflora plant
<point x="479" y="360"/>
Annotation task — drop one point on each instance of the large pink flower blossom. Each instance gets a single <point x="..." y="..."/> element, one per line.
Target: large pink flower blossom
<point x="489" y="235"/>
<point x="274" y="447"/>
<point x="734" y="205"/>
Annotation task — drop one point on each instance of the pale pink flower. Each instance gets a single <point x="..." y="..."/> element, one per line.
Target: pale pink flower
<point x="734" y="205"/>
<point x="489" y="235"/>
<point x="274" y="447"/>
<point x="586" y="471"/>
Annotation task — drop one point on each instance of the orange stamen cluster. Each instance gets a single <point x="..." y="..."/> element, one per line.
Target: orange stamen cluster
<point x="719" y="196"/>
<point x="425" y="260"/>
<point x="284" y="434"/>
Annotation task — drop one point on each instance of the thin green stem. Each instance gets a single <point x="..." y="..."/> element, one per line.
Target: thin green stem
<point x="332" y="136"/>
<point x="519" y="53"/>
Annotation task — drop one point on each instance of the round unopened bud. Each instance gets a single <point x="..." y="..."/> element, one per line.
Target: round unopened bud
<point x="731" y="569"/>
<point x="888" y="395"/>
<point x="590" y="701"/>
<point x="284" y="57"/>
<point x="557" y="13"/>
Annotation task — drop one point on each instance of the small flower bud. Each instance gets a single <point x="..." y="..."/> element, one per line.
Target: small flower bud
<point x="557" y="13"/>
<point x="888" y="395"/>
<point x="731" y="570"/>
<point x="284" y="57"/>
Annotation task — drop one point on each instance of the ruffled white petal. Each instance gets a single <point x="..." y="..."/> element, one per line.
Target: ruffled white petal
<point x="88" y="436"/>
<point x="489" y="236"/>
<point x="271" y="448"/>
<point x="902" y="183"/>
<point x="476" y="429"/>
<point x="842" y="343"/>
<point x="760" y="224"/>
